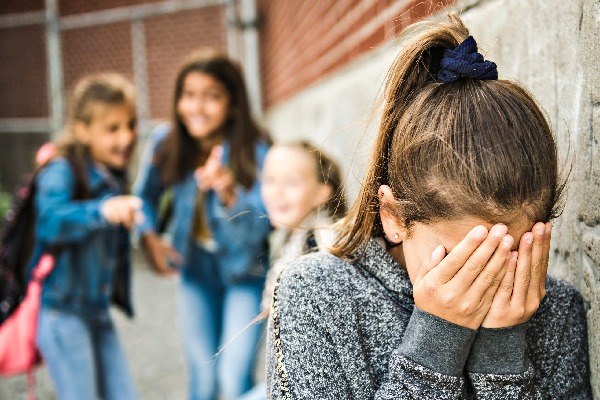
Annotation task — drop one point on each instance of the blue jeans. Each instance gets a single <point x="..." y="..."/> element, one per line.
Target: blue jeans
<point x="258" y="392"/>
<point x="219" y="346"/>
<point x="84" y="358"/>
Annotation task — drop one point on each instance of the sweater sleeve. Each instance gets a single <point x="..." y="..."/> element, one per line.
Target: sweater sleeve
<point x="304" y="361"/>
<point x="430" y="361"/>
<point x="498" y="365"/>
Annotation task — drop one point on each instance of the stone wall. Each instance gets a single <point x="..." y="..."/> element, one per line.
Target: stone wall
<point x="551" y="47"/>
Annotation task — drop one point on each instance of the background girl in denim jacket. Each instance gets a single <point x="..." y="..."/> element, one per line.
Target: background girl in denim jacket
<point x="210" y="157"/>
<point x="83" y="217"/>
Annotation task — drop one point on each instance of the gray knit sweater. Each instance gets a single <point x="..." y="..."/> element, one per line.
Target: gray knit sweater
<point x="351" y="331"/>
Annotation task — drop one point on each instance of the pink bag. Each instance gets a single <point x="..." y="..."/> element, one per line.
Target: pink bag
<point x="18" y="350"/>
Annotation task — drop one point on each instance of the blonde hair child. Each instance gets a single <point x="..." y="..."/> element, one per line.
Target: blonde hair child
<point x="83" y="217"/>
<point x="303" y="195"/>
<point x="302" y="192"/>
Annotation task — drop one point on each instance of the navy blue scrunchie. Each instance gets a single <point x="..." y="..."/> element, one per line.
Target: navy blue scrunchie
<point x="465" y="62"/>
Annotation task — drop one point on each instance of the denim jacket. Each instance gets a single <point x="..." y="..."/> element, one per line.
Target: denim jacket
<point x="240" y="232"/>
<point x="92" y="256"/>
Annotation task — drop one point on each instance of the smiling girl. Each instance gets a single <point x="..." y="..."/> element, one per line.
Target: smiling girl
<point x="303" y="195"/>
<point x="83" y="217"/>
<point x="210" y="156"/>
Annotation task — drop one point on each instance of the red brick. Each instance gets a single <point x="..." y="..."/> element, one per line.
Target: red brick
<point x="169" y="39"/>
<point x="19" y="6"/>
<point x="70" y="7"/>
<point x="23" y="76"/>
<point x="104" y="48"/>
<point x="296" y="42"/>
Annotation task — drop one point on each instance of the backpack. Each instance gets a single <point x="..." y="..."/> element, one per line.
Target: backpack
<point x="18" y="349"/>
<point x="19" y="300"/>
<point x="17" y="239"/>
<point x="16" y="246"/>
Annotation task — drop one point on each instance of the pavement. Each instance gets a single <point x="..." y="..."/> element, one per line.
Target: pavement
<point x="151" y="342"/>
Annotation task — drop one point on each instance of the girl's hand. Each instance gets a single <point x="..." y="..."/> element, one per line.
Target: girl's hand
<point x="122" y="210"/>
<point x="214" y="175"/>
<point x="459" y="287"/>
<point x="159" y="253"/>
<point x="524" y="284"/>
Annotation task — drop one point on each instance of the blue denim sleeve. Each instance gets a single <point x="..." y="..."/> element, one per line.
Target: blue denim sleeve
<point x="147" y="185"/>
<point x="60" y="219"/>
<point x="248" y="214"/>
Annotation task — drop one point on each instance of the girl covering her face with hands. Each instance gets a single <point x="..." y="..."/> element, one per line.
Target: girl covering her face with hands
<point x="210" y="157"/>
<point x="437" y="286"/>
<point x="83" y="218"/>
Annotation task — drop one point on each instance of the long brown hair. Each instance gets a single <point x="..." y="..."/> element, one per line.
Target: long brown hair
<point x="479" y="148"/>
<point x="179" y="153"/>
<point x="104" y="89"/>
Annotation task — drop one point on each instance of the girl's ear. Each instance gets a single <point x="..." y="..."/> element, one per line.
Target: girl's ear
<point x="80" y="130"/>
<point x="390" y="220"/>
<point x="324" y="193"/>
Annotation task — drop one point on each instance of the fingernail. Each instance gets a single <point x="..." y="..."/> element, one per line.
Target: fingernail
<point x="479" y="232"/>
<point x="438" y="252"/>
<point x="499" y="230"/>
<point x="529" y="239"/>
<point x="508" y="241"/>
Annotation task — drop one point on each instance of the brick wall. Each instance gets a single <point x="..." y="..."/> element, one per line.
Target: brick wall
<point x="23" y="82"/>
<point x="18" y="6"/>
<point x="89" y="48"/>
<point x="304" y="42"/>
<point x="104" y="48"/>
<point x="169" y="39"/>
<point x="70" y="7"/>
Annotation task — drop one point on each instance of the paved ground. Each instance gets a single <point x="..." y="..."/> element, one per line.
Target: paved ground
<point x="151" y="342"/>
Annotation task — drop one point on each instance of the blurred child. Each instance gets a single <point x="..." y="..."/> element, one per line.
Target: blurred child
<point x="437" y="287"/>
<point x="303" y="195"/>
<point x="83" y="217"/>
<point x="302" y="192"/>
<point x="210" y="157"/>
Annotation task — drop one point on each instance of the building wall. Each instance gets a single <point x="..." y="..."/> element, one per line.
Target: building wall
<point x="548" y="45"/>
<point x="145" y="40"/>
<point x="552" y="47"/>
<point x="169" y="39"/>
<point x="302" y="42"/>
<point x="96" y="49"/>
<point x="23" y="90"/>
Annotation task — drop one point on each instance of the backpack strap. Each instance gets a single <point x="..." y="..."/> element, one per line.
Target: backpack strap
<point x="282" y="374"/>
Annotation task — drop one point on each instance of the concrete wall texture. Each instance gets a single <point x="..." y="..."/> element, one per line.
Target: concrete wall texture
<point x="551" y="47"/>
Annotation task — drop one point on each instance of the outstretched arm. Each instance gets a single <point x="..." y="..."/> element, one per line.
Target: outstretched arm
<point x="60" y="219"/>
